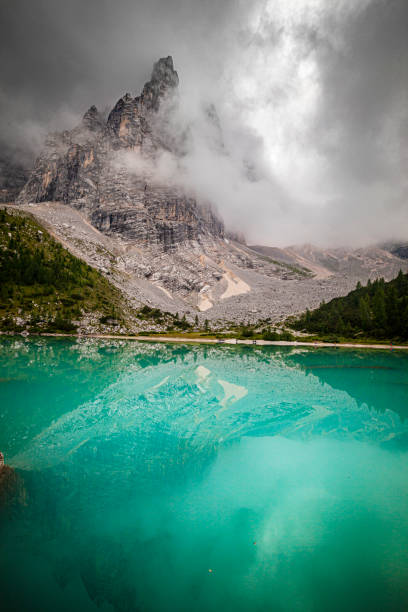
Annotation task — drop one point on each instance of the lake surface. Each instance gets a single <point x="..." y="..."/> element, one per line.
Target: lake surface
<point x="159" y="477"/>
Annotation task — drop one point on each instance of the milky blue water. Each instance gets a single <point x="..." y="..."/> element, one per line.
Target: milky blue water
<point x="158" y="477"/>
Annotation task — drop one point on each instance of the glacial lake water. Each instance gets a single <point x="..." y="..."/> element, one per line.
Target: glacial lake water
<point x="160" y="477"/>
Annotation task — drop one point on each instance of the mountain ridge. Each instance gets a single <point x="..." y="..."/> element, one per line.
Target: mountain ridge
<point x="89" y="168"/>
<point x="170" y="249"/>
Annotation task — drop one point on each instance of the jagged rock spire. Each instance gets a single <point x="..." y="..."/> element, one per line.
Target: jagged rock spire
<point x="91" y="169"/>
<point x="93" y="119"/>
<point x="163" y="70"/>
<point x="164" y="79"/>
<point x="130" y="116"/>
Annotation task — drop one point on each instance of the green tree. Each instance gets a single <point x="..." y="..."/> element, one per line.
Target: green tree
<point x="378" y="304"/>
<point x="378" y="310"/>
<point x="364" y="312"/>
<point x="392" y="309"/>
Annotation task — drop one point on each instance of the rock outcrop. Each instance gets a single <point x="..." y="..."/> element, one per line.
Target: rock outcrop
<point x="12" y="491"/>
<point x="104" y="168"/>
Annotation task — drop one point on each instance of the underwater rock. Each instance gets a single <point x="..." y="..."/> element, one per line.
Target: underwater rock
<point x="12" y="491"/>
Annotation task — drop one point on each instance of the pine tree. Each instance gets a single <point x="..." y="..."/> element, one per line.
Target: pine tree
<point x="364" y="312"/>
<point x="401" y="283"/>
<point x="392" y="310"/>
<point x="403" y="331"/>
<point x="379" y="311"/>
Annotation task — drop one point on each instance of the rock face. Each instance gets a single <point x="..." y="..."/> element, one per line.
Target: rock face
<point x="103" y="168"/>
<point x="400" y="249"/>
<point x="13" y="176"/>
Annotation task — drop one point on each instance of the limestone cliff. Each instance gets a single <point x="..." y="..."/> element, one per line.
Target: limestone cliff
<point x="89" y="168"/>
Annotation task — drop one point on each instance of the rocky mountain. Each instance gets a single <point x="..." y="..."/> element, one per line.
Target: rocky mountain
<point x="400" y="249"/>
<point x="99" y="189"/>
<point x="91" y="169"/>
<point x="324" y="263"/>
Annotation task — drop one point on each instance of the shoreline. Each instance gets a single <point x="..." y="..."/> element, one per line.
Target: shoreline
<point x="229" y="341"/>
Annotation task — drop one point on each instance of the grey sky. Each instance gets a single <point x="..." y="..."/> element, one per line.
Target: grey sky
<point x="312" y="96"/>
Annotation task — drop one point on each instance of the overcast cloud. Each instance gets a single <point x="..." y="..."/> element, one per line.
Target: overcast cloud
<point x="312" y="97"/>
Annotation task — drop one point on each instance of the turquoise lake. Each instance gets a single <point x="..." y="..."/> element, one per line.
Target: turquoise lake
<point x="161" y="477"/>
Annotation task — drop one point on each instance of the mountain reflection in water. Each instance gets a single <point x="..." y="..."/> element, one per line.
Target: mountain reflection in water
<point x="145" y="466"/>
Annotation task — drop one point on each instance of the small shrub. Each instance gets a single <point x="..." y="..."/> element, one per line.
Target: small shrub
<point x="270" y="335"/>
<point x="247" y="332"/>
<point x="286" y="336"/>
<point x="61" y="325"/>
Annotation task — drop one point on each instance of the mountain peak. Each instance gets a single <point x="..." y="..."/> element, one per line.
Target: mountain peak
<point x="163" y="70"/>
<point x="93" y="119"/>
<point x="164" y="79"/>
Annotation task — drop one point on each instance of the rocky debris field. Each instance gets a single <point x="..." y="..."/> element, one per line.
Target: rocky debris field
<point x="218" y="280"/>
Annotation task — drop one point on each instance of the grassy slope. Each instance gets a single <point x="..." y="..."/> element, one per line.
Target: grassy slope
<point x="43" y="284"/>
